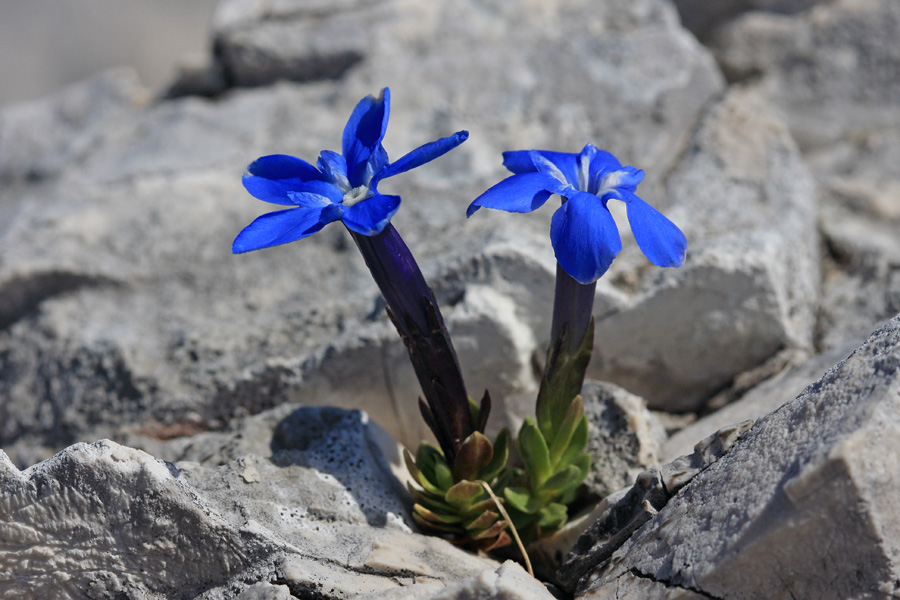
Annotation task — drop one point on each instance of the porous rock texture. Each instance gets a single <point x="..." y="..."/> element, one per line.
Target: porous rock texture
<point x="317" y="512"/>
<point x="814" y="483"/>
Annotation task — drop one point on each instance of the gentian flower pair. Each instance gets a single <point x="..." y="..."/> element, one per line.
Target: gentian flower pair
<point x="341" y="187"/>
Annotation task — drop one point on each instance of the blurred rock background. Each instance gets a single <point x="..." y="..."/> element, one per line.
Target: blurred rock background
<point x="46" y="44"/>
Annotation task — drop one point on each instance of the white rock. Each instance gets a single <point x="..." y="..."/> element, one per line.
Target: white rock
<point x="508" y="582"/>
<point x="322" y="515"/>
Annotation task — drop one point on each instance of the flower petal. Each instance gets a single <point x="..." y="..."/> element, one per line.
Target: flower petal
<point x="520" y="161"/>
<point x="421" y="155"/>
<point x="584" y="237"/>
<point x="372" y="215"/>
<point x="282" y="166"/>
<point x="277" y="191"/>
<point x="658" y="238"/>
<point x="334" y="167"/>
<point x="363" y="134"/>
<point x="283" y="226"/>
<point x="520" y="193"/>
<point x="547" y="167"/>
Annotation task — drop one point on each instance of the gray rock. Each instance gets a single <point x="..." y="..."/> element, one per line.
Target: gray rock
<point x="620" y="514"/>
<point x="121" y="307"/>
<point x="831" y="69"/>
<point x="805" y="501"/>
<point x="759" y="401"/>
<point x="862" y="283"/>
<point x="323" y="517"/>
<point x="508" y="582"/>
<point x="625" y="438"/>
<point x="704" y="18"/>
<point x="749" y="285"/>
<point x="833" y="73"/>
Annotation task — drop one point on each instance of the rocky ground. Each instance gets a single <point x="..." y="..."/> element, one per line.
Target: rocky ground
<point x="773" y="142"/>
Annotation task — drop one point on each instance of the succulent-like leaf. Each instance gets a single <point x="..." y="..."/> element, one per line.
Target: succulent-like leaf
<point x="501" y="455"/>
<point x="535" y="454"/>
<point x="563" y="434"/>
<point x="417" y="474"/>
<point x="577" y="444"/>
<point x="552" y="517"/>
<point x="427" y="499"/>
<point x="522" y="499"/>
<point x="470" y="512"/>
<point x="483" y="521"/>
<point x="434" y="526"/>
<point x="443" y="474"/>
<point x="489" y="544"/>
<point x="435" y="517"/>
<point x="474" y="455"/>
<point x="484" y="411"/>
<point x="492" y="531"/>
<point x="463" y="494"/>
<point x="562" y="480"/>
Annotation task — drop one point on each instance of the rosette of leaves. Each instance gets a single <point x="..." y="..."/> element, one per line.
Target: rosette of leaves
<point x="552" y="447"/>
<point x="452" y="500"/>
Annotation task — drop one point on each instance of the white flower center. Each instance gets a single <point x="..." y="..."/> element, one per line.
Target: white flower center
<point x="356" y="195"/>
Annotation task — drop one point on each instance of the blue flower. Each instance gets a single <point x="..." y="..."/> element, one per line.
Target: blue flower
<point x="341" y="187"/>
<point x="583" y="232"/>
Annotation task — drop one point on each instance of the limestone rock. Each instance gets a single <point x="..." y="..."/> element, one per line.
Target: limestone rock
<point x="759" y="401"/>
<point x="805" y="505"/>
<point x="508" y="582"/>
<point x="320" y="514"/>
<point x="704" y="18"/>
<point x="833" y="72"/>
<point x="749" y="285"/>
<point x="620" y="514"/>
<point x="625" y="438"/>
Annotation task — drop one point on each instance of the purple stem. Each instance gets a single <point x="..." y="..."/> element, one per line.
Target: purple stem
<point x="572" y="307"/>
<point x="417" y="317"/>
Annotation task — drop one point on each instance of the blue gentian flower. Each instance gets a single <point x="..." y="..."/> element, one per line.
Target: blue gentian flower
<point x="341" y="187"/>
<point x="584" y="235"/>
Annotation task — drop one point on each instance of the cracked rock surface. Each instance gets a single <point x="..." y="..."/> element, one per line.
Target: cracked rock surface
<point x="818" y="473"/>
<point x="319" y="515"/>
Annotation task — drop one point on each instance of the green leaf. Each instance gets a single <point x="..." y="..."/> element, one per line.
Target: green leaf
<point x="430" y="500"/>
<point x="491" y="532"/>
<point x="563" y="434"/>
<point x="434" y="517"/>
<point x="563" y="377"/>
<point x="534" y="453"/>
<point x="474" y="455"/>
<point x="564" y="479"/>
<point x="427" y="456"/>
<point x="521" y="499"/>
<point x="479" y="507"/>
<point x="443" y="475"/>
<point x="418" y="475"/>
<point x="462" y="494"/>
<point x="433" y="525"/>
<point x="501" y="455"/>
<point x="483" y="521"/>
<point x="577" y="444"/>
<point x="552" y="517"/>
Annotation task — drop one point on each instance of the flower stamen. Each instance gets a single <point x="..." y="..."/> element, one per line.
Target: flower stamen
<point x="356" y="195"/>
